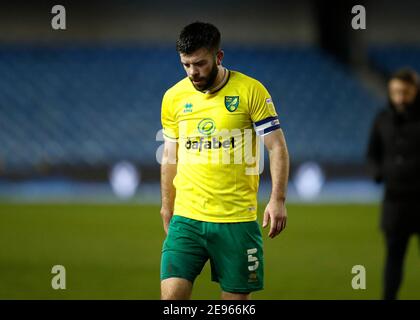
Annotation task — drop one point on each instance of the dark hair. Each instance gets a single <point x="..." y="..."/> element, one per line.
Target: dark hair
<point x="198" y="35"/>
<point x="407" y="75"/>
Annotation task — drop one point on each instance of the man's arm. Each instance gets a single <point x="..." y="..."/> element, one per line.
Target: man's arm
<point x="168" y="172"/>
<point x="279" y="168"/>
<point x="375" y="152"/>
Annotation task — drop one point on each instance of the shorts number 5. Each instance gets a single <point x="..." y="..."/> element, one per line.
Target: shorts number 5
<point x="252" y="258"/>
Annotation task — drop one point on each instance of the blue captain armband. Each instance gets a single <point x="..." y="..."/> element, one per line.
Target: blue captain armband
<point x="267" y="125"/>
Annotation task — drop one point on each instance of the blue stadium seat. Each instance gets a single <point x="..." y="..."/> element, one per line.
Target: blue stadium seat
<point x="96" y="105"/>
<point x="388" y="58"/>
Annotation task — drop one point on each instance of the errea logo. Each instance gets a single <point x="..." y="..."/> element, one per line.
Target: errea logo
<point x="188" y="107"/>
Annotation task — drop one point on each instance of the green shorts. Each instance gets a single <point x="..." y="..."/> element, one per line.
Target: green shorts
<point x="234" y="249"/>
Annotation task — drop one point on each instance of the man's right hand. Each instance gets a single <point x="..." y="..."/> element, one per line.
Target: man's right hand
<point x="166" y="218"/>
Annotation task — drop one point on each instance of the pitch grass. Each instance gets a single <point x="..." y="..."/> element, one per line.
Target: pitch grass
<point x="113" y="252"/>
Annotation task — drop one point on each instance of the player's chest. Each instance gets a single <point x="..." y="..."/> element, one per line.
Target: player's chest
<point x="211" y="114"/>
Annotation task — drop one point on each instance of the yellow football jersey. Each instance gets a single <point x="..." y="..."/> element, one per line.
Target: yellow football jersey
<point x="218" y="153"/>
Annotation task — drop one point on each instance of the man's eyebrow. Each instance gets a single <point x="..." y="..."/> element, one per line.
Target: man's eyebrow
<point x="197" y="62"/>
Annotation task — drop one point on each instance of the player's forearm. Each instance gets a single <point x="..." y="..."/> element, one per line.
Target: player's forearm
<point x="279" y="169"/>
<point x="168" y="172"/>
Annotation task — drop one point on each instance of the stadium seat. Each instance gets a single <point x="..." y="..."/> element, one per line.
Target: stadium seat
<point x="96" y="105"/>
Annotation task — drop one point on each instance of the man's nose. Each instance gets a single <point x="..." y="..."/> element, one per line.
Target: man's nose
<point x="193" y="71"/>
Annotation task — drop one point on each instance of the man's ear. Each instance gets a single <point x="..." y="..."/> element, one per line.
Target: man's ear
<point x="219" y="57"/>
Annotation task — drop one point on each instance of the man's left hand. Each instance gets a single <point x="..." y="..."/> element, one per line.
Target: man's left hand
<point x="276" y="212"/>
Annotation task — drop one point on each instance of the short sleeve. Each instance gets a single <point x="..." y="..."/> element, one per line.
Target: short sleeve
<point x="169" y="124"/>
<point x="262" y="111"/>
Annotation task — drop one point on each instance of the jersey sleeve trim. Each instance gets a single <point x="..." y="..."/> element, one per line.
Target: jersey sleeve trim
<point x="266" y="125"/>
<point x="169" y="138"/>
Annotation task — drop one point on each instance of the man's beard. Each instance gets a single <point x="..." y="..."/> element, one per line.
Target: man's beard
<point x="404" y="107"/>
<point x="208" y="81"/>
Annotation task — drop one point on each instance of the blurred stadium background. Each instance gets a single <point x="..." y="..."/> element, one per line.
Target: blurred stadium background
<point x="79" y="123"/>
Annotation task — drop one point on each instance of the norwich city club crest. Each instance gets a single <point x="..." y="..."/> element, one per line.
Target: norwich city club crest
<point x="231" y="103"/>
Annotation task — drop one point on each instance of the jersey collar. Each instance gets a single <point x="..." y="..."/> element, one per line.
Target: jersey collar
<point x="222" y="83"/>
